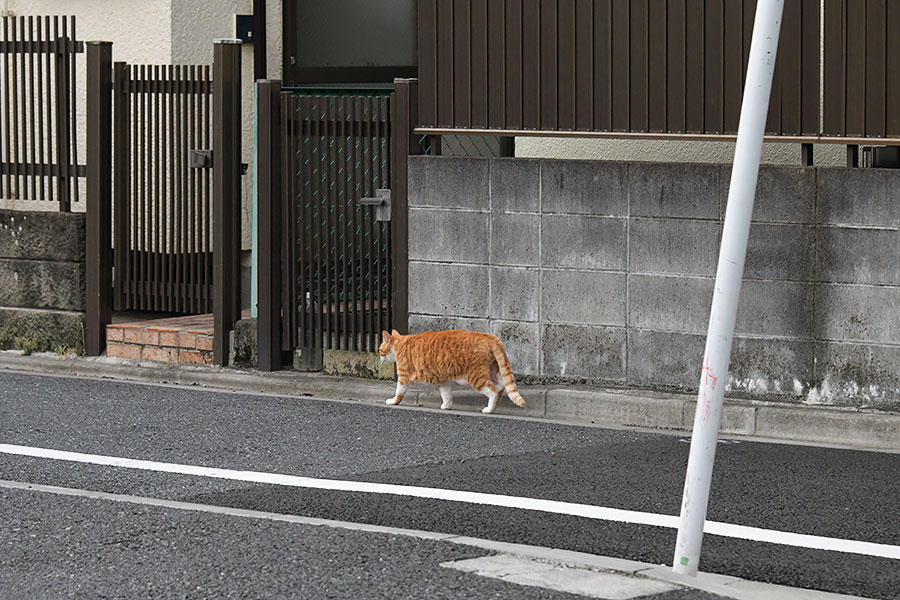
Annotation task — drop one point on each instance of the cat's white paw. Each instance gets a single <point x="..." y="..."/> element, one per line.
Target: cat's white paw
<point x="447" y="406"/>
<point x="487" y="410"/>
<point x="393" y="400"/>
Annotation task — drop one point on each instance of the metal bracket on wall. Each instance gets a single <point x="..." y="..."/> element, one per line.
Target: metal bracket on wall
<point x="200" y="159"/>
<point x="308" y="358"/>
<point x="382" y="204"/>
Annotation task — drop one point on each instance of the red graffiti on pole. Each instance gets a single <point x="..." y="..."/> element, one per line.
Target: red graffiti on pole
<point x="709" y="381"/>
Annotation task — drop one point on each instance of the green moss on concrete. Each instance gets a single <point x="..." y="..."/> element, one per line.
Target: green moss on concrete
<point x="245" y="343"/>
<point x="357" y="364"/>
<point x="335" y="362"/>
<point x="39" y="331"/>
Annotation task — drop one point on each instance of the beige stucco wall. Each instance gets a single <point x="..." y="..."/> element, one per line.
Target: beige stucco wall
<point x="825" y="155"/>
<point x="140" y="29"/>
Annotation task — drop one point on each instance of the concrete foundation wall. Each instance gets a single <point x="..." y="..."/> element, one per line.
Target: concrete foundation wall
<point x="604" y="271"/>
<point x="41" y="280"/>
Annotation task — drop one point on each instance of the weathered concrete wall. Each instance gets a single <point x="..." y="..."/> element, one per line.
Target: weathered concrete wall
<point x="41" y="280"/>
<point x="604" y="271"/>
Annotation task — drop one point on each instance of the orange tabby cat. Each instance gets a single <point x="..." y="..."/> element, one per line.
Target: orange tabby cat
<point x="439" y="357"/>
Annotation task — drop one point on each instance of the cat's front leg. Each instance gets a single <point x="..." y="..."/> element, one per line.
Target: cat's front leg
<point x="446" y="397"/>
<point x="398" y="397"/>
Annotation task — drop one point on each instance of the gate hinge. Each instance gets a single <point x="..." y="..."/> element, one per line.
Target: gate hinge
<point x="382" y="204"/>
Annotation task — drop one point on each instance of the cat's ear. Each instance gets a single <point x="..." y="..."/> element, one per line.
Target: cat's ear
<point x="395" y="332"/>
<point x="385" y="336"/>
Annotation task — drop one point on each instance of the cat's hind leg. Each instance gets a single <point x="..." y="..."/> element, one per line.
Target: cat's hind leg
<point x="398" y="396"/>
<point x="497" y="378"/>
<point x="446" y="397"/>
<point x="490" y="390"/>
<point x="499" y="383"/>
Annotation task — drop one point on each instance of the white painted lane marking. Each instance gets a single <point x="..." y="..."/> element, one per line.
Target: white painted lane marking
<point x="233" y="512"/>
<point x="551" y="506"/>
<point x="589" y="511"/>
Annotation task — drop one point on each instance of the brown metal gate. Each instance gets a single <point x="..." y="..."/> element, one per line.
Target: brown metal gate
<point x="337" y="155"/>
<point x="152" y="243"/>
<point x="163" y="208"/>
<point x="38" y="133"/>
<point x="332" y="219"/>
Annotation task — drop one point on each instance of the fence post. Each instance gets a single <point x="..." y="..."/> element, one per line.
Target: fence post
<point x="98" y="276"/>
<point x="226" y="194"/>
<point x="507" y="146"/>
<point x="404" y="118"/>
<point x="62" y="68"/>
<point x="268" y="324"/>
<point x="121" y="182"/>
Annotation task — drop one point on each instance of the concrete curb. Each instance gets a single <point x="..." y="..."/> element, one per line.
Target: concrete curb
<point x="864" y="429"/>
<point x="721" y="585"/>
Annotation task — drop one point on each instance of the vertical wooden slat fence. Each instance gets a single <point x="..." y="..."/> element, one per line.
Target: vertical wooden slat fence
<point x="862" y="69"/>
<point x="38" y="103"/>
<point x="163" y="253"/>
<point x="163" y="247"/>
<point x="663" y="67"/>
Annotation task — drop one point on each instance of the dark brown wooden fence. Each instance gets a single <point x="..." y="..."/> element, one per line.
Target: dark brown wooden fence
<point x="163" y="208"/>
<point x="862" y="69"/>
<point x="38" y="133"/>
<point x="654" y="68"/>
<point x="173" y="240"/>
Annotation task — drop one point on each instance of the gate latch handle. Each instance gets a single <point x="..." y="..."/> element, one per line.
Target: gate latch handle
<point x="382" y="204"/>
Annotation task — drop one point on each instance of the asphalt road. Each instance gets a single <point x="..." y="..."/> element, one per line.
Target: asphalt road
<point x="94" y="548"/>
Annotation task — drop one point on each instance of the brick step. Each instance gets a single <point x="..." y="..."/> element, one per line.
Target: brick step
<point x="174" y="339"/>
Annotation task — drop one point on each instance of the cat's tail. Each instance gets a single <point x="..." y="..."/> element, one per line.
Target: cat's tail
<point x="509" y="382"/>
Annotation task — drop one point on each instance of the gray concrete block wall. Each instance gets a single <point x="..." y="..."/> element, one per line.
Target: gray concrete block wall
<point x="605" y="271"/>
<point x="42" y="286"/>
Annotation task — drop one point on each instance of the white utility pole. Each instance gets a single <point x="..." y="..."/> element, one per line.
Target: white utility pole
<point x="714" y="374"/>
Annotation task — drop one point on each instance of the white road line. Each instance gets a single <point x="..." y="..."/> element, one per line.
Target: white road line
<point x="225" y="510"/>
<point x="720" y="585"/>
<point x="549" y="506"/>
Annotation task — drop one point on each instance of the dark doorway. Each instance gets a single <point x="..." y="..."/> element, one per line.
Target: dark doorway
<point x="348" y="42"/>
